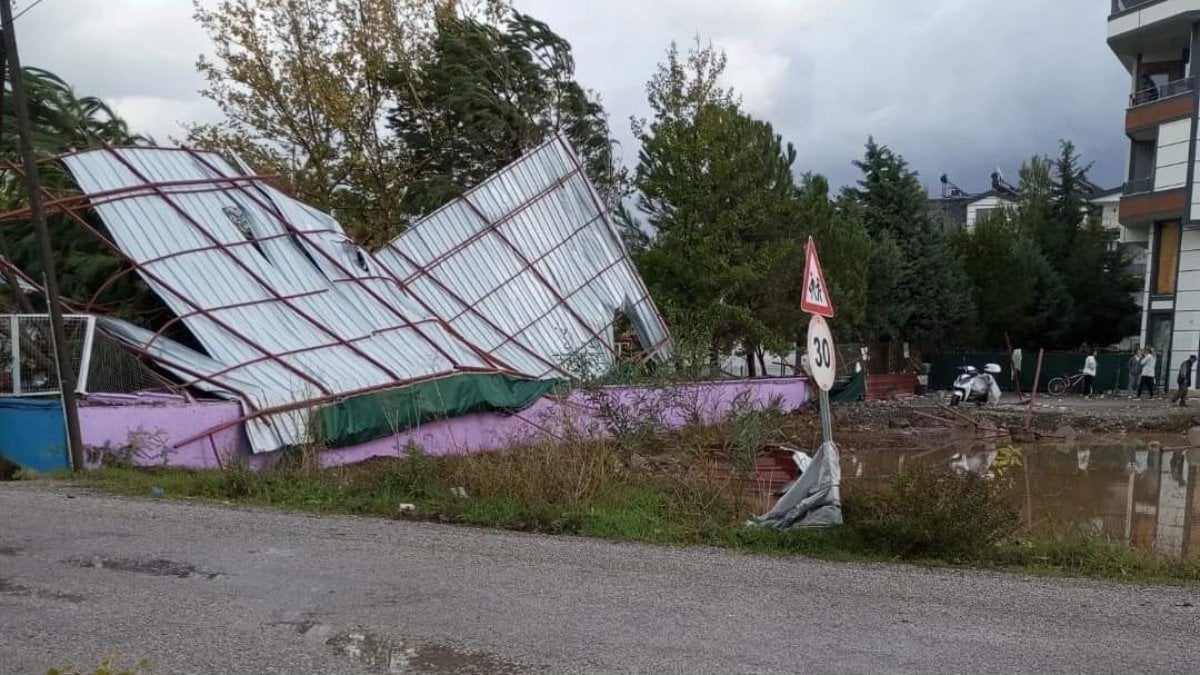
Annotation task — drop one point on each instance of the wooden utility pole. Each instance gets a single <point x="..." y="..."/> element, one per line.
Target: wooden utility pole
<point x="1037" y="375"/>
<point x="66" y="375"/>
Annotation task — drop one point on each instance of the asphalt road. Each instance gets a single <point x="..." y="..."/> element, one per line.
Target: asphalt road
<point x="208" y="589"/>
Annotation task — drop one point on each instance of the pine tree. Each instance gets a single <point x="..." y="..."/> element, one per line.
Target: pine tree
<point x="921" y="281"/>
<point x="484" y="96"/>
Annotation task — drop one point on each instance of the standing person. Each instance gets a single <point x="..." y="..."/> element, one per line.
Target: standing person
<point x="1148" y="367"/>
<point x="1184" y="381"/>
<point x="1089" y="374"/>
<point x="1135" y="369"/>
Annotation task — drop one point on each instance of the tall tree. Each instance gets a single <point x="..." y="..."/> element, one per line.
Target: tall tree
<point x="1018" y="294"/>
<point x="717" y="190"/>
<point x="923" y="282"/>
<point x="845" y="249"/>
<point x="1045" y="271"/>
<point x="485" y="94"/>
<point x="61" y="120"/>
<point x="719" y="193"/>
<point x="304" y="86"/>
<point x="1067" y="216"/>
<point x="1101" y="287"/>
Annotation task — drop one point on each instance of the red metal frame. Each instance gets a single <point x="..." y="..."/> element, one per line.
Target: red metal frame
<point x="104" y="241"/>
<point x="262" y="283"/>
<point x="474" y="311"/>
<point x="516" y="276"/>
<point x="616" y="239"/>
<point x="495" y="230"/>
<point x="273" y="209"/>
<point x="452" y="251"/>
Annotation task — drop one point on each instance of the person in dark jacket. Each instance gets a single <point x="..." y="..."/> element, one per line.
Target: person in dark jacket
<point x="1184" y="381"/>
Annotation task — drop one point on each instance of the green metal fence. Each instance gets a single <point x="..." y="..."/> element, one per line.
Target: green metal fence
<point x="1112" y="372"/>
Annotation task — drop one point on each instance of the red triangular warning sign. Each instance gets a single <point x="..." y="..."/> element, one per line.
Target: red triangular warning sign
<point x="814" y="298"/>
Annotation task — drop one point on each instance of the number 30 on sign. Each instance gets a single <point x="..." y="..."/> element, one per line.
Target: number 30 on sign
<point x="822" y="358"/>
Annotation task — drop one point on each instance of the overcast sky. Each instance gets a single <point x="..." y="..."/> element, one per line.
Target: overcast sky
<point x="957" y="86"/>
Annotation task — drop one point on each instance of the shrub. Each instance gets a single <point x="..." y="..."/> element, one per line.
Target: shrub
<point x="417" y="477"/>
<point x="927" y="514"/>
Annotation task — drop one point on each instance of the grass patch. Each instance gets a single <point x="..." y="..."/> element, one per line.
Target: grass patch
<point x="595" y="489"/>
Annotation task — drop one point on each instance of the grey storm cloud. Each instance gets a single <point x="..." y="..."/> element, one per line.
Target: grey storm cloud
<point x="956" y="86"/>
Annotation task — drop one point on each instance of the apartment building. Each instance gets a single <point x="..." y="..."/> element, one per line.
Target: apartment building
<point x="1160" y="204"/>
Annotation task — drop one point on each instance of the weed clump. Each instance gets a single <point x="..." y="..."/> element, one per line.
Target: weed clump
<point x="932" y="515"/>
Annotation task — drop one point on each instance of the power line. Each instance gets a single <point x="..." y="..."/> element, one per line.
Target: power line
<point x="22" y="12"/>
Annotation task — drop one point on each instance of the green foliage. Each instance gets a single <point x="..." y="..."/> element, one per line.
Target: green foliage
<point x="1016" y="290"/>
<point x="589" y="489"/>
<point x="303" y="89"/>
<point x="935" y="516"/>
<point x="845" y="250"/>
<point x="729" y="224"/>
<point x="918" y="293"/>
<point x="484" y="95"/>
<point x="1046" y="272"/>
<point x="718" y="191"/>
<point x="63" y="122"/>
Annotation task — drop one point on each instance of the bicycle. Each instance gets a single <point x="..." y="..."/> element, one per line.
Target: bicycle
<point x="1061" y="385"/>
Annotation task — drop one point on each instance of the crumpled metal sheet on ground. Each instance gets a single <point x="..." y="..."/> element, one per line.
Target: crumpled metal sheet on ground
<point x="273" y="290"/>
<point x="523" y="275"/>
<point x="814" y="499"/>
<point x="529" y="266"/>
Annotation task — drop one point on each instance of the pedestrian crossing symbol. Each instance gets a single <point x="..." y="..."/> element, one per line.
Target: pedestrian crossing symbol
<point x="815" y="296"/>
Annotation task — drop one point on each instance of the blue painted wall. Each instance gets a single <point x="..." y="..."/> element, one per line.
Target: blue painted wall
<point x="32" y="435"/>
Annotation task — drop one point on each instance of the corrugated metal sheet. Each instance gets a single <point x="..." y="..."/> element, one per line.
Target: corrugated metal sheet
<point x="525" y="274"/>
<point x="528" y="266"/>
<point x="273" y="290"/>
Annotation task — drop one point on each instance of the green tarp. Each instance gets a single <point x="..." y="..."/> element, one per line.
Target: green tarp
<point x="370" y="416"/>
<point x="850" y="389"/>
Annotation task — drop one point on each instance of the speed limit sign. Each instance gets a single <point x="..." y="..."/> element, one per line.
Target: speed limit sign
<point x="821" y="355"/>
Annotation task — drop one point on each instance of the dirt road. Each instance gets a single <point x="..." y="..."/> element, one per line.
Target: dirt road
<point x="207" y="589"/>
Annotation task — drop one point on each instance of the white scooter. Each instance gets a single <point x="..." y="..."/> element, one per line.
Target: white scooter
<point x="975" y="387"/>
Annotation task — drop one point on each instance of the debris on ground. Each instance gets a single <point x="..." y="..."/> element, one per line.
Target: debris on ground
<point x="814" y="500"/>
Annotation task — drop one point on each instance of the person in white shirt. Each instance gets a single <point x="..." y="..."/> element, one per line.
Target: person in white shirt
<point x="1149" y="364"/>
<point x="1089" y="374"/>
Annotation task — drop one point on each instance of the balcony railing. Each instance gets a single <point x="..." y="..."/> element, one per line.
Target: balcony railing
<point x="1139" y="186"/>
<point x="1119" y="6"/>
<point x="1169" y="90"/>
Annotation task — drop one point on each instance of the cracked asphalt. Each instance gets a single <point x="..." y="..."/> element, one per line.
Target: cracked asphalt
<point x="200" y="588"/>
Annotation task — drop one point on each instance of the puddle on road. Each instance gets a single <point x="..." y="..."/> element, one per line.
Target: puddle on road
<point x="381" y="655"/>
<point x="10" y="551"/>
<point x="158" y="567"/>
<point x="1138" y="491"/>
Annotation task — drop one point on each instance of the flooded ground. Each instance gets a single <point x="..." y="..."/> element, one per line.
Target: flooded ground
<point x="1144" y="491"/>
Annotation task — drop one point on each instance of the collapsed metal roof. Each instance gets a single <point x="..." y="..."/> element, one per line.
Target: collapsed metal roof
<point x="529" y="267"/>
<point x="520" y="276"/>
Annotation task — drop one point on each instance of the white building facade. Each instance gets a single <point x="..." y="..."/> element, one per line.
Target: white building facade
<point x="1160" y="204"/>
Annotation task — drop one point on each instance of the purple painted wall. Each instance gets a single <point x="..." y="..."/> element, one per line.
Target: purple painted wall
<point x="154" y="425"/>
<point x="590" y="412"/>
<point x="148" y="427"/>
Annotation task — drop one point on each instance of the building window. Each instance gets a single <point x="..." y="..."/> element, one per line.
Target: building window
<point x="1166" y="258"/>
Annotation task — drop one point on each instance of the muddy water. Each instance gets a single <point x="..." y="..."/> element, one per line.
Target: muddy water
<point x="1140" y="491"/>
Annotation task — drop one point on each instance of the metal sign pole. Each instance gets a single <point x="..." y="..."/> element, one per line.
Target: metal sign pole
<point x="826" y="418"/>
